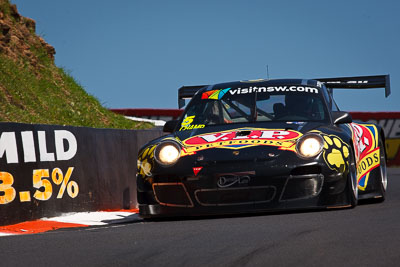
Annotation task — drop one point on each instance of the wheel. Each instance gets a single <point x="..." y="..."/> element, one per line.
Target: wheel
<point x="382" y="177"/>
<point x="352" y="179"/>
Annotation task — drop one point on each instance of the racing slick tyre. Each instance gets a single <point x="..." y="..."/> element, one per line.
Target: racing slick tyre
<point x="352" y="179"/>
<point x="382" y="177"/>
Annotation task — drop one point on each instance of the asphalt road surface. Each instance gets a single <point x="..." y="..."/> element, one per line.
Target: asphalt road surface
<point x="368" y="235"/>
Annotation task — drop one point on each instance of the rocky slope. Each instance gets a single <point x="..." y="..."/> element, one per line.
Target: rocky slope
<point x="34" y="90"/>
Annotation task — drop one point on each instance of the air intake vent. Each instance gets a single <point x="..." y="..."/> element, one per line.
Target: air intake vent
<point x="172" y="194"/>
<point x="314" y="169"/>
<point x="235" y="196"/>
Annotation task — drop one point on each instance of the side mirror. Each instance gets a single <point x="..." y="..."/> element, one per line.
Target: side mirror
<point x="170" y="126"/>
<point x="340" y="117"/>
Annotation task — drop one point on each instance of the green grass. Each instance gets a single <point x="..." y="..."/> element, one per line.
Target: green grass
<point x="36" y="91"/>
<point x="48" y="95"/>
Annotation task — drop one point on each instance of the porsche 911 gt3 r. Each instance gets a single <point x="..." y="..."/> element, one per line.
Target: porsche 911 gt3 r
<point x="263" y="145"/>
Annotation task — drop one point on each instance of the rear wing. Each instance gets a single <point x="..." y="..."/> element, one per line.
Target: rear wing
<point x="187" y="92"/>
<point x="360" y="82"/>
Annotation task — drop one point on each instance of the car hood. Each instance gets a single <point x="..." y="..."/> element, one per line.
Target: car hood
<point x="226" y="143"/>
<point x="261" y="140"/>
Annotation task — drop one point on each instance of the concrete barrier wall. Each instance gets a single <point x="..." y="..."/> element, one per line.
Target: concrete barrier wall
<point x="46" y="170"/>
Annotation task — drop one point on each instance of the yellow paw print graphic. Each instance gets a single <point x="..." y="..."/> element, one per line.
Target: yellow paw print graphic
<point x="336" y="153"/>
<point x="145" y="161"/>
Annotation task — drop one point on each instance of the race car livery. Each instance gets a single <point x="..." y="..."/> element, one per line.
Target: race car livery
<point x="263" y="145"/>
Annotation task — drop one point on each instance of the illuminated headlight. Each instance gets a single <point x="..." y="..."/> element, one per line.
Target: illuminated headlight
<point x="309" y="145"/>
<point x="167" y="153"/>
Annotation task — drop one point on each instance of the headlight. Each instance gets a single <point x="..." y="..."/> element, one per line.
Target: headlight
<point x="309" y="145"/>
<point x="167" y="153"/>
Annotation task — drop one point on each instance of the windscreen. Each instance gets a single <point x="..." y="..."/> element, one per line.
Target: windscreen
<point x="255" y="104"/>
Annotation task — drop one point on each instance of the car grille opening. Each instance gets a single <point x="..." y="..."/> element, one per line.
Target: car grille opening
<point x="172" y="194"/>
<point x="303" y="170"/>
<point x="235" y="196"/>
<point x="303" y="187"/>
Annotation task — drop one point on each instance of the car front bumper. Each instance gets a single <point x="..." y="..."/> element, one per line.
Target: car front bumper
<point x="246" y="187"/>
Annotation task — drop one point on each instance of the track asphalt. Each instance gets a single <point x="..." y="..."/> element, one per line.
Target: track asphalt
<point x="368" y="235"/>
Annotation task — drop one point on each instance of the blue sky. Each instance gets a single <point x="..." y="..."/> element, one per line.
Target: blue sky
<point x="136" y="54"/>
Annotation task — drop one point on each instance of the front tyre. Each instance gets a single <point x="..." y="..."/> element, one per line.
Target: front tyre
<point x="352" y="179"/>
<point x="382" y="175"/>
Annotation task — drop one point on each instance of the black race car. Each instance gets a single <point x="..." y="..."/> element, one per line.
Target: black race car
<point x="263" y="145"/>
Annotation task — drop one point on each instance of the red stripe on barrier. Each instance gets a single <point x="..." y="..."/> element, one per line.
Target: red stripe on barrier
<point x="41" y="226"/>
<point x="38" y="226"/>
<point x="130" y="210"/>
<point x="365" y="116"/>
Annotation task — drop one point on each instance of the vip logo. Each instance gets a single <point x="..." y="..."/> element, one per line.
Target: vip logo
<point x="242" y="135"/>
<point x="242" y="138"/>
